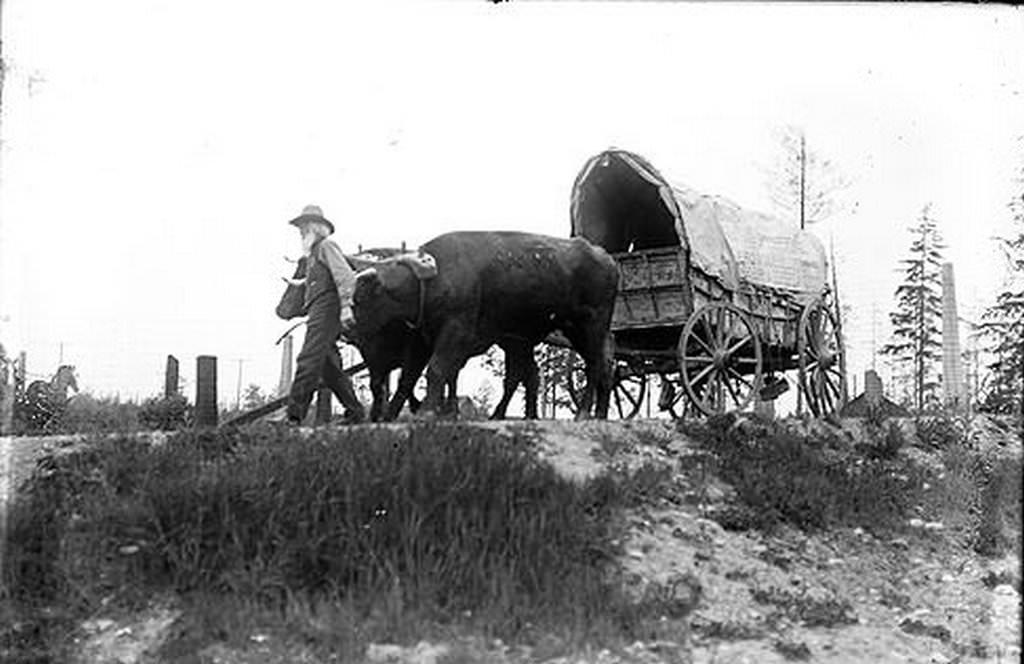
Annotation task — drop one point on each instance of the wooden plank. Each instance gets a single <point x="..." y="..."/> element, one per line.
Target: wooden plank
<point x="276" y="404"/>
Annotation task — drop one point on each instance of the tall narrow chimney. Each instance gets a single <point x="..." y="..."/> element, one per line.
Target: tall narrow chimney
<point x="952" y="363"/>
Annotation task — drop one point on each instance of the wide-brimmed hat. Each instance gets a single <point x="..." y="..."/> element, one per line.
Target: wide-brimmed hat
<point x="311" y="213"/>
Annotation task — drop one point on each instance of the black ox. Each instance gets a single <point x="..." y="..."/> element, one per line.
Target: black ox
<point x="397" y="344"/>
<point x="506" y="288"/>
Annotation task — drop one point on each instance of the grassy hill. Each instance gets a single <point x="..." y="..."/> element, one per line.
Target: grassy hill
<point x="552" y="541"/>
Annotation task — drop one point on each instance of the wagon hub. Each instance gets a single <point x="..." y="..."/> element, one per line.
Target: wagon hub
<point x="720" y="359"/>
<point x="826" y="359"/>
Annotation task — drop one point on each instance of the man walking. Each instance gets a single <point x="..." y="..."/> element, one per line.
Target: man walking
<point x="330" y="282"/>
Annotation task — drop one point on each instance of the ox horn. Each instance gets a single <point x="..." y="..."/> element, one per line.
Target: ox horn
<point x="291" y="260"/>
<point x="294" y="282"/>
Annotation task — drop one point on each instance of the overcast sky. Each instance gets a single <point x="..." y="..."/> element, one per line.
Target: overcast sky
<point x="154" y="150"/>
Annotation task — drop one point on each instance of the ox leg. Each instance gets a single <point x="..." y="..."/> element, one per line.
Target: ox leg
<point x="415" y="359"/>
<point x="520" y="367"/>
<point x="585" y="351"/>
<point x="531" y="379"/>
<point x="605" y="382"/>
<point x="449" y="355"/>
<point x="513" y="375"/>
<point x="379" y="389"/>
<point x="596" y="350"/>
<point x="450" y="406"/>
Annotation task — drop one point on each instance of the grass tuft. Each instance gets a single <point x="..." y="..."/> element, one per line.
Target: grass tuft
<point x="432" y="524"/>
<point x="781" y="474"/>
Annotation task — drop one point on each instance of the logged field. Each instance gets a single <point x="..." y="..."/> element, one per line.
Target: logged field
<point x="726" y="540"/>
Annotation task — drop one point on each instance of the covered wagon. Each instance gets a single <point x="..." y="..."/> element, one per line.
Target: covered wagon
<point x="717" y="301"/>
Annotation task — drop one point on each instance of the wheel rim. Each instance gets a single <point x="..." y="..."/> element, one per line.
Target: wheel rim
<point x="720" y="359"/>
<point x="629" y="391"/>
<point x="822" y="365"/>
<point x="676" y="402"/>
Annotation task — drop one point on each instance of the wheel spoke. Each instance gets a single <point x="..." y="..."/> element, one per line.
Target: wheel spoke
<point x="698" y="358"/>
<point x="742" y="342"/>
<point x="740" y="377"/>
<point x="825" y="394"/>
<point x="633" y="399"/>
<point x="706" y="324"/>
<point x="720" y="336"/>
<point x="826" y="398"/>
<point x="710" y="394"/>
<point x="833" y="392"/>
<point x="703" y="343"/>
<point x="704" y="372"/>
<point x="835" y="379"/>
<point x="825" y="378"/>
<point x="813" y="394"/>
<point x="732" y="391"/>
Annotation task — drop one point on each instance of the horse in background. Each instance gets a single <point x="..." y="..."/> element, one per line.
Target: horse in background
<point x="44" y="401"/>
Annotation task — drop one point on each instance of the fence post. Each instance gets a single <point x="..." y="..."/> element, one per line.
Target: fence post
<point x="6" y="397"/>
<point x="171" y="377"/>
<point x="206" y="391"/>
<point x="323" y="405"/>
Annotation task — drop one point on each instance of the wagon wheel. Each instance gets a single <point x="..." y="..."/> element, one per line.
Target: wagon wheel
<point x="822" y="365"/>
<point x="720" y="358"/>
<point x="575" y="381"/>
<point x="629" y="387"/>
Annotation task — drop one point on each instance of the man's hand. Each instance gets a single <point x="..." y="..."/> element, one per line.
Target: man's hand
<point x="348" y="321"/>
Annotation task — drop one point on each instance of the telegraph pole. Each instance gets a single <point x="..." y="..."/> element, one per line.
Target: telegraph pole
<point x="238" y="385"/>
<point x="803" y="179"/>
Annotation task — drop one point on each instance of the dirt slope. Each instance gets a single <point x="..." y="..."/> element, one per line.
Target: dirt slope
<point x="840" y="596"/>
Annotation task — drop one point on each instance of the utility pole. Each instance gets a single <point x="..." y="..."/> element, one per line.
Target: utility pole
<point x="803" y="178"/>
<point x="238" y="386"/>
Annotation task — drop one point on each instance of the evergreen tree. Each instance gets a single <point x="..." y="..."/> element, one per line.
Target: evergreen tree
<point x="917" y="320"/>
<point x="802" y="184"/>
<point x="253" y="397"/>
<point x="1003" y="323"/>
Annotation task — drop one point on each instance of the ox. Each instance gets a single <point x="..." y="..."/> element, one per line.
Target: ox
<point x="507" y="288"/>
<point x="395" y="345"/>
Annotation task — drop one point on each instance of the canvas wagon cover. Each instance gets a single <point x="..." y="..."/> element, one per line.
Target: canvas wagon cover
<point x="621" y="202"/>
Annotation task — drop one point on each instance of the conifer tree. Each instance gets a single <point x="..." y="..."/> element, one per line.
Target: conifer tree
<point x="917" y="320"/>
<point x="1003" y="323"/>
<point x="802" y="184"/>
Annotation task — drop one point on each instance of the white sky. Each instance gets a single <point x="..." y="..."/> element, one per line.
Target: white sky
<point x="153" y="150"/>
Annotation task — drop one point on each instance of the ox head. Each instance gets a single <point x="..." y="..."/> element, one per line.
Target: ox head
<point x="385" y="293"/>
<point x="294" y="296"/>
